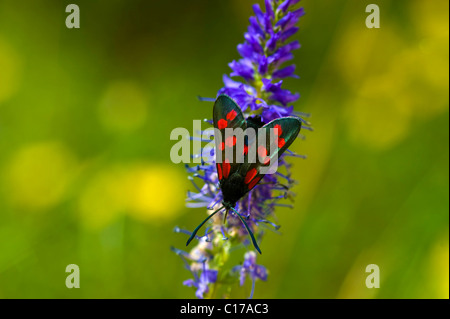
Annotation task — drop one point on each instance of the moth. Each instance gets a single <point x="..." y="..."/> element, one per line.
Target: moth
<point x="238" y="177"/>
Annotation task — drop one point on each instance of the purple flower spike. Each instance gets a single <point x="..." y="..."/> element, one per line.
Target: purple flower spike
<point x="256" y="85"/>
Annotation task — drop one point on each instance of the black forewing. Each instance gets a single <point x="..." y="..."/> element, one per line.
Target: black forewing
<point x="226" y="112"/>
<point x="289" y="127"/>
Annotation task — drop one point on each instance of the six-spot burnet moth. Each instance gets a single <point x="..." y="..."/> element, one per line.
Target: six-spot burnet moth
<point x="238" y="171"/>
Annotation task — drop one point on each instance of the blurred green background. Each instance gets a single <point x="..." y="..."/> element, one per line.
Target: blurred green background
<point x="85" y="173"/>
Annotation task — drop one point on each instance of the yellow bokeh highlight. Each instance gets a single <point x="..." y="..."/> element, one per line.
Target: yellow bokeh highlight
<point x="392" y="80"/>
<point x="10" y="69"/>
<point x="431" y="17"/>
<point x="439" y="268"/>
<point x="149" y="192"/>
<point x="376" y="116"/>
<point x="158" y="192"/>
<point x="123" y="107"/>
<point x="38" y="175"/>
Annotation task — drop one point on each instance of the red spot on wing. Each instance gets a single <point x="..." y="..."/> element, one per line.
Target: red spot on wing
<point x="254" y="182"/>
<point x="221" y="124"/>
<point x="231" y="115"/>
<point x="278" y="127"/>
<point x="250" y="175"/>
<point x="230" y="141"/>
<point x="245" y="150"/>
<point x="281" y="142"/>
<point x="262" y="151"/>
<point x="219" y="171"/>
<point x="226" y="168"/>
<point x="222" y="146"/>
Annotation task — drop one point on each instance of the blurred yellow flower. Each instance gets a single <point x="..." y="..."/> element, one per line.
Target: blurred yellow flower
<point x="376" y="115"/>
<point x="431" y="18"/>
<point x="393" y="81"/>
<point x="38" y="175"/>
<point x="439" y="268"/>
<point x="147" y="191"/>
<point x="158" y="192"/>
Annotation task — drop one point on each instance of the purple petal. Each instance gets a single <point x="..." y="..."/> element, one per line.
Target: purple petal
<point x="290" y="19"/>
<point x="254" y="41"/>
<point x="259" y="15"/>
<point x="283" y="21"/>
<point x="242" y="69"/>
<point x="272" y="42"/>
<point x="287" y="34"/>
<point x="202" y="288"/>
<point x="294" y="45"/>
<point x="279" y="58"/>
<point x="268" y="86"/>
<point x="229" y="83"/>
<point x="268" y="24"/>
<point x="256" y="28"/>
<point x="274" y="112"/>
<point x="269" y="9"/>
<point x="286" y="4"/>
<point x="262" y="64"/>
<point x="285" y="97"/>
<point x="285" y="72"/>
<point x="190" y="283"/>
<point x="261" y="272"/>
<point x="242" y="276"/>
<point x="209" y="276"/>
<point x="245" y="50"/>
<point x="295" y="16"/>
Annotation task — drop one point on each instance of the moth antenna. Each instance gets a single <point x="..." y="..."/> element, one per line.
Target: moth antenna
<point x="255" y="244"/>
<point x="202" y="223"/>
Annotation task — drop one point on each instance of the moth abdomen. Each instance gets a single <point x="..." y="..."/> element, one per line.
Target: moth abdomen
<point x="233" y="188"/>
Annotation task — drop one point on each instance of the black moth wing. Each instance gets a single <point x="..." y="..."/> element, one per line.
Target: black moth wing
<point x="226" y="114"/>
<point x="284" y="131"/>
